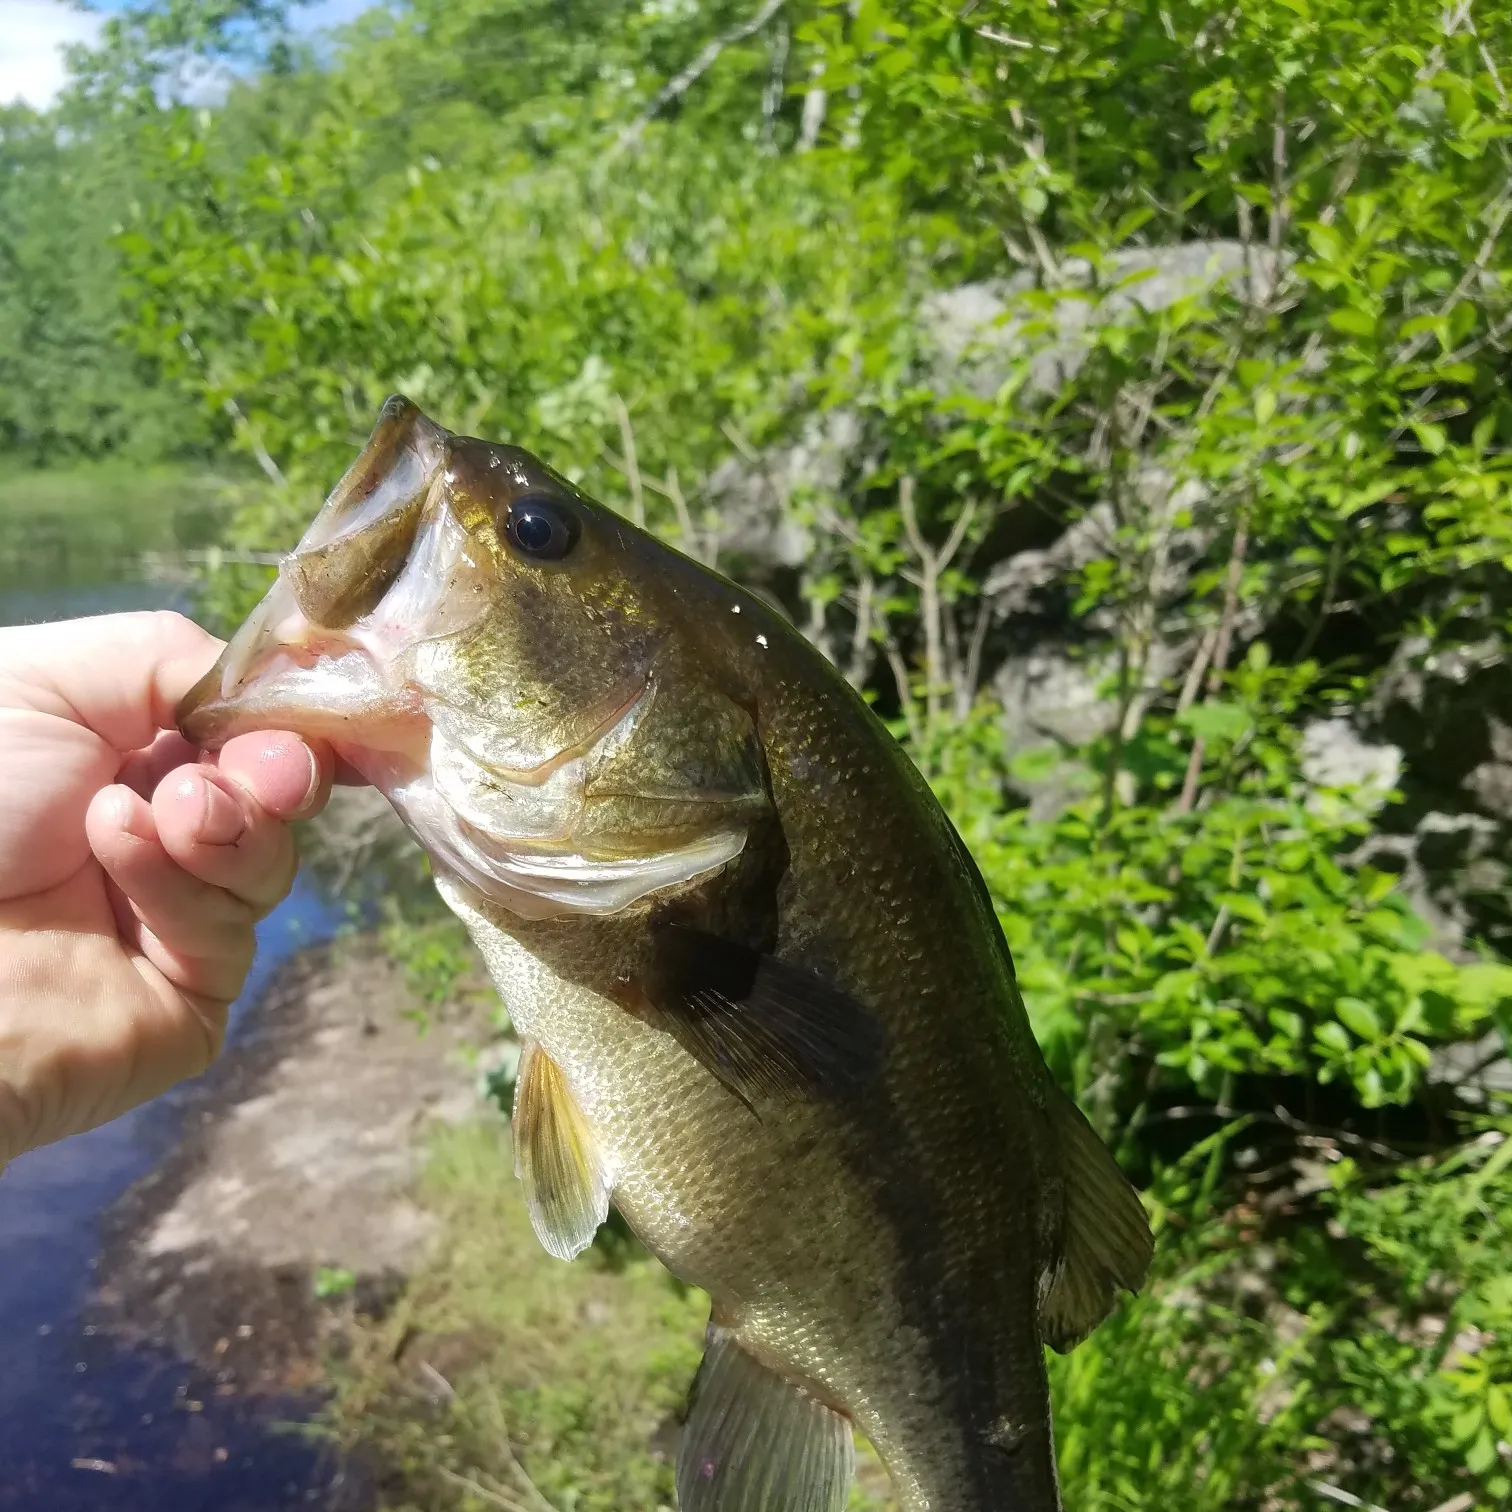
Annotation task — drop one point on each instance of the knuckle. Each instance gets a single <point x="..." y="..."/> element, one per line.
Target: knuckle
<point x="156" y="627"/>
<point x="276" y="879"/>
<point x="210" y="1033"/>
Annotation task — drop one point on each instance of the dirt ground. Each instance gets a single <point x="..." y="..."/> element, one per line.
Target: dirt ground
<point x="294" y="1177"/>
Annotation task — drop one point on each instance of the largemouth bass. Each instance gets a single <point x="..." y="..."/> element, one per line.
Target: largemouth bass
<point x="765" y="1005"/>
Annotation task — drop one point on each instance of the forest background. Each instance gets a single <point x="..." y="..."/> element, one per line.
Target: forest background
<point x="1117" y="392"/>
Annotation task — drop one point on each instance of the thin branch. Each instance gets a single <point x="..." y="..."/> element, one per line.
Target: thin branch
<point x="1343" y="181"/>
<point x="860" y="647"/>
<point x="947" y="552"/>
<point x="1279" y="212"/>
<point x="972" y="674"/>
<point x="1004" y="40"/>
<point x="1501" y="95"/>
<point x="680" y="83"/>
<point x="910" y="519"/>
<point x="532" y="1492"/>
<point x="929" y="591"/>
<point x="815" y="105"/>
<point x="771" y="96"/>
<point x="1326" y="608"/>
<point x="740" y="441"/>
<point x="1344" y="1498"/>
<point x="672" y="490"/>
<point x="1196" y="670"/>
<point x="270" y="468"/>
<point x="482" y="1492"/>
<point x="900" y="678"/>
<point x="816" y="632"/>
<point x="1501" y="208"/>
<point x="1313" y="1135"/>
<point x="1461" y="1503"/>
<point x="1115" y="751"/>
<point x="932" y="563"/>
<point x="632" y="464"/>
<point x="1220" y="658"/>
<point x="1453" y="20"/>
<point x="1470" y="348"/>
<point x="1215" y="934"/>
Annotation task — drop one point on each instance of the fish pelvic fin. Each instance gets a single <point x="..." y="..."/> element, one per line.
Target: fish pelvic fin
<point x="755" y="1442"/>
<point x="556" y="1158"/>
<point x="1105" y="1237"/>
<point x="766" y="1028"/>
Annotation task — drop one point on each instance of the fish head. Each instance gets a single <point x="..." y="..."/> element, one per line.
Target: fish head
<point x="514" y="666"/>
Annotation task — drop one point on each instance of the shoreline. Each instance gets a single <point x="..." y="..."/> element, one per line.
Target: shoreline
<point x="285" y="1207"/>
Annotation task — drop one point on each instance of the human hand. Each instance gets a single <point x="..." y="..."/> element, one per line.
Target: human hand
<point x="132" y="868"/>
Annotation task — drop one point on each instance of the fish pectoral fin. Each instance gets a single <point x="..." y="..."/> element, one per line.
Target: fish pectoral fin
<point x="1105" y="1239"/>
<point x="566" y="1185"/>
<point x="755" y="1442"/>
<point x="765" y="1028"/>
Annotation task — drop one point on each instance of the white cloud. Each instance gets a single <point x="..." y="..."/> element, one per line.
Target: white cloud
<point x="32" y="36"/>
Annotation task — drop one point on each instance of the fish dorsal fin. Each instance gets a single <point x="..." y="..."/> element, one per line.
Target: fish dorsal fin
<point x="1105" y="1239"/>
<point x="755" y="1442"/>
<point x="566" y="1185"/>
<point x="765" y="1028"/>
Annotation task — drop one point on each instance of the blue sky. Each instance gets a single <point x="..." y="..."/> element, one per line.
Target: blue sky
<point x="34" y="32"/>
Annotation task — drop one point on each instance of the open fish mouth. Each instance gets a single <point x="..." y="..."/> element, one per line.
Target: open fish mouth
<point x="337" y="649"/>
<point x="382" y="568"/>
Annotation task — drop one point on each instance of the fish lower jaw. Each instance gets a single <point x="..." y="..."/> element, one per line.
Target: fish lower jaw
<point x="538" y="882"/>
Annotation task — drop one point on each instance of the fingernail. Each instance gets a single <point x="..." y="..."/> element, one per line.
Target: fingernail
<point x="128" y="813"/>
<point x="311" y="787"/>
<point x="223" y="821"/>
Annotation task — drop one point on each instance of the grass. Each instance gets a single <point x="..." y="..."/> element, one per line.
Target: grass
<point x="504" y="1379"/>
<point x="504" y="1376"/>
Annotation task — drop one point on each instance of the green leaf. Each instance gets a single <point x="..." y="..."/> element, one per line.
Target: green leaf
<point x="1353" y="321"/>
<point x="1325" y="241"/>
<point x="1217" y="720"/>
<point x="1333" y="1036"/>
<point x="1358" y="1016"/>
<point x="1432" y="438"/>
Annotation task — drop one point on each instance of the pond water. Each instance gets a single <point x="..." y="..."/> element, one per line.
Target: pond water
<point x="85" y="1423"/>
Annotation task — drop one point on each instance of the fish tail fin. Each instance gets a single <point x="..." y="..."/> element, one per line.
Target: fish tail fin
<point x="1105" y="1238"/>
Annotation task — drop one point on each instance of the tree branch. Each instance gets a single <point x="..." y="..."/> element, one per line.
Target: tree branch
<point x="632" y="465"/>
<point x="1220" y="658"/>
<point x="680" y="83"/>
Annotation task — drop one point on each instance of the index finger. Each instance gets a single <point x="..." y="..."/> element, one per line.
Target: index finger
<point x="120" y="675"/>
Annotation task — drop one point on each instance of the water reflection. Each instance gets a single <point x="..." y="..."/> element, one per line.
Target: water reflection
<point x="84" y="1423"/>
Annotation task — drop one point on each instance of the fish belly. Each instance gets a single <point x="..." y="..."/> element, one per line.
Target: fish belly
<point x="769" y="1215"/>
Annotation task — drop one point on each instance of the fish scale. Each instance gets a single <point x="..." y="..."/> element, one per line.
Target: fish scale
<point x="765" y="1002"/>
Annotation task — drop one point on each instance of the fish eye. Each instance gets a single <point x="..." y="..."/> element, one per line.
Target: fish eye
<point x="539" y="527"/>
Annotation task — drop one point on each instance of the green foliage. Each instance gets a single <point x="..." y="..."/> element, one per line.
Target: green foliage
<point x="69" y="386"/>
<point x="432" y="947"/>
<point x="1159" y="949"/>
<point x="1273" y="1354"/>
<point x="334" y="1281"/>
